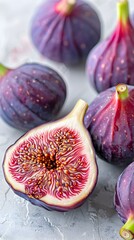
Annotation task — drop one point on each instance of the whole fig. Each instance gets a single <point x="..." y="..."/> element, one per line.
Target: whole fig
<point x="30" y="95"/>
<point x="110" y="121"/>
<point x="65" y="30"/>
<point x="124" y="201"/>
<point x="112" y="61"/>
<point x="54" y="165"/>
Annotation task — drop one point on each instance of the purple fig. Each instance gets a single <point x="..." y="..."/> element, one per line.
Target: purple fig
<point x="110" y="121"/>
<point x="54" y="165"/>
<point x="65" y="30"/>
<point x="30" y="95"/>
<point x="112" y="61"/>
<point x="124" y="201"/>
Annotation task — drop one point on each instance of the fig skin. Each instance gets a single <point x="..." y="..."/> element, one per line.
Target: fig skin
<point x="124" y="201"/>
<point x="110" y="121"/>
<point x="80" y="161"/>
<point x="111" y="61"/>
<point x="31" y="95"/>
<point x="65" y="37"/>
<point x="39" y="203"/>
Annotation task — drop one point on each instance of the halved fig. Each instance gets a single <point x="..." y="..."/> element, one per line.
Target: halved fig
<point x="54" y="165"/>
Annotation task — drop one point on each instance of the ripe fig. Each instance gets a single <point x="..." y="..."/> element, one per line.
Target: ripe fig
<point x="111" y="62"/>
<point x="124" y="201"/>
<point x="54" y="165"/>
<point x="65" y="30"/>
<point x="110" y="121"/>
<point x="30" y="95"/>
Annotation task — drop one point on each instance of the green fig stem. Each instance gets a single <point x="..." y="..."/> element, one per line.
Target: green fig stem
<point x="127" y="231"/>
<point x="66" y="6"/>
<point x="3" y="70"/>
<point x="122" y="91"/>
<point x="79" y="110"/>
<point x="123" y="11"/>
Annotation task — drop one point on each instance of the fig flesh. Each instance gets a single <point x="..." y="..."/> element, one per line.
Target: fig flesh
<point x="65" y="30"/>
<point x="54" y="165"/>
<point x="30" y="95"/>
<point x="110" y="121"/>
<point x="124" y="201"/>
<point x="111" y="62"/>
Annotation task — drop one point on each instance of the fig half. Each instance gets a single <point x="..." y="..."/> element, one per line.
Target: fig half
<point x="54" y="165"/>
<point x="124" y="201"/>
<point x="111" y="62"/>
<point x="30" y="95"/>
<point x="65" y="30"/>
<point x="110" y="121"/>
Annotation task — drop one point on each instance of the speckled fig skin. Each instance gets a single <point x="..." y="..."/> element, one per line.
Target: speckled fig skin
<point x="124" y="198"/>
<point x="110" y="121"/>
<point x="65" y="37"/>
<point x="31" y="95"/>
<point x="111" y="62"/>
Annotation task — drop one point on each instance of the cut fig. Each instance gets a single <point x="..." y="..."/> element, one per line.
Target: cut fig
<point x="65" y="30"/>
<point x="30" y="95"/>
<point x="110" y="121"/>
<point x="124" y="201"/>
<point x="111" y="62"/>
<point x="54" y="165"/>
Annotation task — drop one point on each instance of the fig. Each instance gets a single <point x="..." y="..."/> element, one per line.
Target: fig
<point x="111" y="62"/>
<point x="65" y="30"/>
<point x="110" y="121"/>
<point x="30" y="95"/>
<point x="124" y="201"/>
<point x="53" y="165"/>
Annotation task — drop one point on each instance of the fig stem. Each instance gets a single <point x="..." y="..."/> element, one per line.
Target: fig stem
<point x="66" y="6"/>
<point x="3" y="70"/>
<point x="79" y="110"/>
<point x="127" y="231"/>
<point x="123" y="11"/>
<point x="122" y="91"/>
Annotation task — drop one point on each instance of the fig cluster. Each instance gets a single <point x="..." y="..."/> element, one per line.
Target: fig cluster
<point x="54" y="165"/>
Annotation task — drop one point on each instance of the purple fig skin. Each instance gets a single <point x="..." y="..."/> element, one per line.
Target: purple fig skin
<point x="40" y="203"/>
<point x="124" y="194"/>
<point x="31" y="95"/>
<point x="110" y="123"/>
<point x="66" y="39"/>
<point x="111" y="62"/>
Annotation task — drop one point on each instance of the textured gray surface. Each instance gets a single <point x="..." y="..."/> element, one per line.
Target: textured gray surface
<point x="96" y="219"/>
